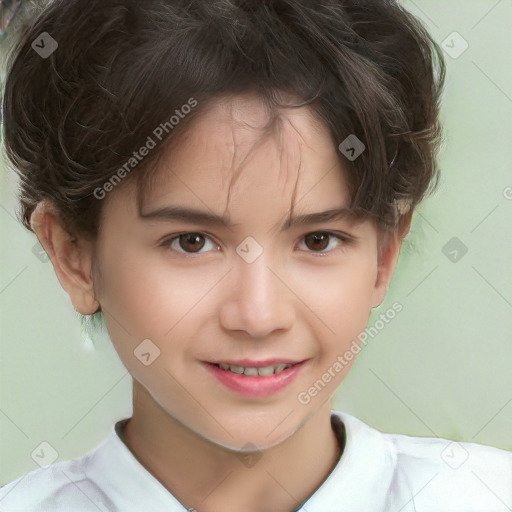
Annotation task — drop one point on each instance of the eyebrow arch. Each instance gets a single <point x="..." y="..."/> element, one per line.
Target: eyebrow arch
<point x="191" y="215"/>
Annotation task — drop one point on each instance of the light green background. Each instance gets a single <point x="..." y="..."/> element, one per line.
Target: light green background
<point x="440" y="368"/>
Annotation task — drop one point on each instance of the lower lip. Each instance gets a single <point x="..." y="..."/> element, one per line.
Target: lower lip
<point x="255" y="386"/>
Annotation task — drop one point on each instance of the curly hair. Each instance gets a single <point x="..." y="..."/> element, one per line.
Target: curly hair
<point x="367" y="68"/>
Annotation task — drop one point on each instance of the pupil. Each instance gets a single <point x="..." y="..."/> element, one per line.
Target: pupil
<point x="194" y="238"/>
<point x="317" y="238"/>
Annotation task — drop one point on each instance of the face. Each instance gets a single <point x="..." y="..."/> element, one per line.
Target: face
<point x="250" y="289"/>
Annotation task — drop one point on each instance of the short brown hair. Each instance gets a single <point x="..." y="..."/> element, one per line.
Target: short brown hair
<point x="366" y="67"/>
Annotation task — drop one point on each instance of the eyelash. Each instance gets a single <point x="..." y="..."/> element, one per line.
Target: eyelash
<point x="344" y="239"/>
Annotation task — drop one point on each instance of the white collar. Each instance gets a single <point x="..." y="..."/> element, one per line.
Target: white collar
<point x="360" y="481"/>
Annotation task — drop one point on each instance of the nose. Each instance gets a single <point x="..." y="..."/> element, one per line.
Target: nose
<point x="259" y="301"/>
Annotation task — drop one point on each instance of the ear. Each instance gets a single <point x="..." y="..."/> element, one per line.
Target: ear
<point x="387" y="259"/>
<point x="71" y="256"/>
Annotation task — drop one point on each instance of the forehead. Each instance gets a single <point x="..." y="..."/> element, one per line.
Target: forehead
<point x="238" y="145"/>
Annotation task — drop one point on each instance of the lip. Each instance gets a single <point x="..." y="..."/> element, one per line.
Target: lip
<point x="255" y="386"/>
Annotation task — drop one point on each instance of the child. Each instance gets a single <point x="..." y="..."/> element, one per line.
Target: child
<point x="290" y="141"/>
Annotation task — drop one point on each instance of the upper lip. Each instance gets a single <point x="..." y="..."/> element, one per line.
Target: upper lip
<point x="257" y="364"/>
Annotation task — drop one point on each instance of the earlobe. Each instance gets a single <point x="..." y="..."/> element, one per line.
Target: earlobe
<point x="71" y="256"/>
<point x="378" y="301"/>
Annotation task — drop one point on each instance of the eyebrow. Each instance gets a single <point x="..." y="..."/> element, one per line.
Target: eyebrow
<point x="190" y="215"/>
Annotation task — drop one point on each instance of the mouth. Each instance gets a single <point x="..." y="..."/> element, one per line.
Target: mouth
<point x="255" y="369"/>
<point x="260" y="379"/>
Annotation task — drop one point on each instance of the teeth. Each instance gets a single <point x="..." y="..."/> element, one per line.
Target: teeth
<point x="263" y="371"/>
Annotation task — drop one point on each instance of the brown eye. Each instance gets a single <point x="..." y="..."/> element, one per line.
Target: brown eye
<point x="191" y="242"/>
<point x="317" y="241"/>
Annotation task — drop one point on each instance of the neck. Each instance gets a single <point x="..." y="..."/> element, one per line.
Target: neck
<point x="205" y="476"/>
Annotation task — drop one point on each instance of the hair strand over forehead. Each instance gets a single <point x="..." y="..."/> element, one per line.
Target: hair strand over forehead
<point x="122" y="68"/>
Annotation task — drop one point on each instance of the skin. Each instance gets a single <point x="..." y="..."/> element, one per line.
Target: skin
<point x="187" y="429"/>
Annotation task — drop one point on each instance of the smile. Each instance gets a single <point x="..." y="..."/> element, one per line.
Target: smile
<point x="262" y="371"/>
<point x="255" y="381"/>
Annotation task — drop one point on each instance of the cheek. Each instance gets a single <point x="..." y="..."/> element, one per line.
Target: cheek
<point x="342" y="299"/>
<point x="147" y="296"/>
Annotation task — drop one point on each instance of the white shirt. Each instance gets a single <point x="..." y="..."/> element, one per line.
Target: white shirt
<point x="377" y="472"/>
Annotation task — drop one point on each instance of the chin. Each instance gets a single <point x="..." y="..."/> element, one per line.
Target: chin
<point x="250" y="433"/>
